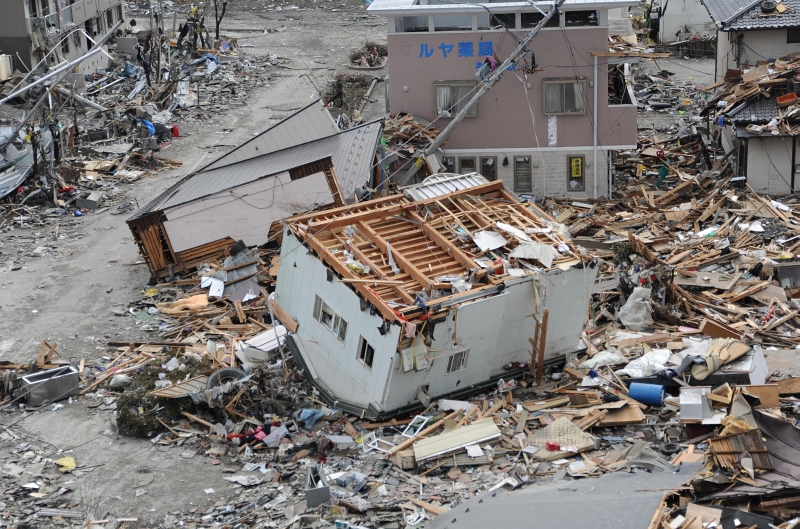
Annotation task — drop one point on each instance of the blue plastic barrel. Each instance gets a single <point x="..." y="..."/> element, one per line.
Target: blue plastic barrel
<point x="650" y="394"/>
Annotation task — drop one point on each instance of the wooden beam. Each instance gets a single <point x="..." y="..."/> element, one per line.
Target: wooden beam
<point x="398" y="257"/>
<point x="405" y="296"/>
<point x="337" y="265"/>
<point x="281" y="314"/>
<point x="443" y="243"/>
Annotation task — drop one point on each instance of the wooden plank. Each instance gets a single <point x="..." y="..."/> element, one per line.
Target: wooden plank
<point x="432" y="509"/>
<point x="521" y="419"/>
<point x="424" y="433"/>
<point x="789" y="386"/>
<point x="282" y="315"/>
<point x="716" y="329"/>
<point x="767" y="393"/>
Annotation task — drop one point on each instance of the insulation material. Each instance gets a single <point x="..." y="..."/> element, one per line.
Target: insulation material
<point x="647" y="365"/>
<point x="489" y="240"/>
<point x="566" y="434"/>
<point x="635" y="314"/>
<point x="543" y="253"/>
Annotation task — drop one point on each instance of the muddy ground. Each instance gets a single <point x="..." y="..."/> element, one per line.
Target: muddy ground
<point x="71" y="293"/>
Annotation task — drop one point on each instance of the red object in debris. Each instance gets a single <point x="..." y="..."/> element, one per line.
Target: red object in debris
<point x="175" y="131"/>
<point x="66" y="189"/>
<point x="786" y="100"/>
<point x="660" y="153"/>
<point x="552" y="446"/>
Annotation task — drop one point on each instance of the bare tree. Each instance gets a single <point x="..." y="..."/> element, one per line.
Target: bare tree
<point x="218" y="16"/>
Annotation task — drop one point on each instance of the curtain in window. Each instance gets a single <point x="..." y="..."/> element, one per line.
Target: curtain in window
<point x="552" y="98"/>
<point x="461" y="96"/>
<point x="575" y="100"/>
<point x="443" y="100"/>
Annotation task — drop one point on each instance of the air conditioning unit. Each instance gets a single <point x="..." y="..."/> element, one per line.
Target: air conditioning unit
<point x="6" y="67"/>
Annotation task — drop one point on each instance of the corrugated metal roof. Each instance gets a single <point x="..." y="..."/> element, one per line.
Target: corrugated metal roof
<point x="413" y="7"/>
<point x="746" y="14"/>
<point x="441" y="184"/>
<point x="312" y="122"/>
<point x="352" y="153"/>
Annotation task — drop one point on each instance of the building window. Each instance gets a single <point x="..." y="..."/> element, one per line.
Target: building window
<point x="65" y="46"/>
<point x="564" y="96"/>
<point x="505" y="20"/>
<point x="489" y="167"/>
<point x="531" y="20"/>
<point x="793" y="35"/>
<point x="329" y="319"/>
<point x="466" y="165"/>
<point x="449" y="164"/>
<point x="366" y="353"/>
<point x="119" y="12"/>
<point x="452" y="98"/>
<point x="580" y="18"/>
<point x="522" y="174"/>
<point x="110" y="18"/>
<point x="576" y="178"/>
<point x="457" y="361"/>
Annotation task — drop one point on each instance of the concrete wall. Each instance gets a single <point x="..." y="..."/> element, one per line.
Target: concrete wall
<point x="549" y="170"/>
<point x="680" y="13"/>
<point x="506" y="115"/>
<point x="769" y="165"/>
<point x="245" y="212"/>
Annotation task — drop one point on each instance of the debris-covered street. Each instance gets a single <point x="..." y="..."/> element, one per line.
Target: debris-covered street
<point x="324" y="264"/>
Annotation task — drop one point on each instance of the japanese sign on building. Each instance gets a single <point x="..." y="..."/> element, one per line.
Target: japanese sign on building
<point x="467" y="49"/>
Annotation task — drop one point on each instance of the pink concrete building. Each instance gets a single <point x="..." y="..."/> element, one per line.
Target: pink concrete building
<point x="539" y="129"/>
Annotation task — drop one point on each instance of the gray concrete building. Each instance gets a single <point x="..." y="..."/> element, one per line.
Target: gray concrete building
<point x="31" y="28"/>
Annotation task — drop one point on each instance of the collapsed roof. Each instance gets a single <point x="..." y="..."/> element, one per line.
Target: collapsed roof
<point x="391" y="249"/>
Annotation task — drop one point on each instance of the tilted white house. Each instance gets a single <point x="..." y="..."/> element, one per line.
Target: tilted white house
<point x="427" y="294"/>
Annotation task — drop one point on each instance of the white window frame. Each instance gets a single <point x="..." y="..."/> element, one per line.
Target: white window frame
<point x="561" y="82"/>
<point x="363" y="352"/>
<point x="457" y="361"/>
<point x="453" y="110"/>
<point x="335" y="324"/>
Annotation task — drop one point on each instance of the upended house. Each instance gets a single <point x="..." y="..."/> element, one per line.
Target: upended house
<point x="300" y="164"/>
<point x="431" y="293"/>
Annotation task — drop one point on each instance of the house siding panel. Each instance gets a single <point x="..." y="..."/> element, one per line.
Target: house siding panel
<point x="334" y="363"/>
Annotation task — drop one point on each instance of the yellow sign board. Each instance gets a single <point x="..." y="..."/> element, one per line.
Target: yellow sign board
<point x="576" y="167"/>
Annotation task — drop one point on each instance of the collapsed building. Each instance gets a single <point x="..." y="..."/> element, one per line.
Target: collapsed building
<point x="438" y="291"/>
<point x="243" y="194"/>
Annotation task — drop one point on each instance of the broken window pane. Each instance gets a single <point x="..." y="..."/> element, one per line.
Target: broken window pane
<point x="342" y="330"/>
<point x="489" y="168"/>
<point x="457" y="362"/>
<point x="327" y="316"/>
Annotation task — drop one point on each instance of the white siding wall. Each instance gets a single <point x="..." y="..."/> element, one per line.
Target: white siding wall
<point x="335" y="365"/>
<point x="758" y="45"/>
<point x="769" y="165"/>
<point x="496" y="331"/>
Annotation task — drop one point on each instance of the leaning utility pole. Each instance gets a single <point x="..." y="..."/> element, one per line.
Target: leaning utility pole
<point x="488" y="83"/>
